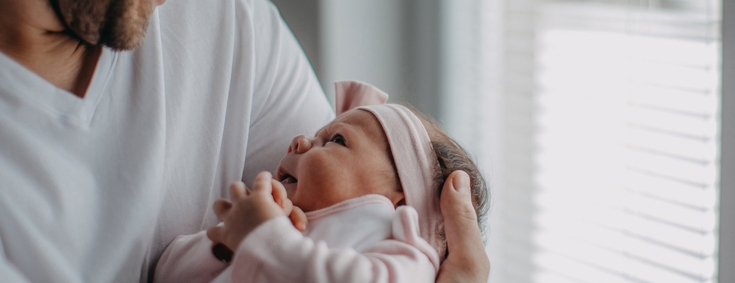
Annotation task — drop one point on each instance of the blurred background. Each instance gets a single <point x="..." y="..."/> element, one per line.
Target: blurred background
<point x="599" y="124"/>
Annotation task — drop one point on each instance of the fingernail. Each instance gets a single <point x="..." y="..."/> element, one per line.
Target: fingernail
<point x="461" y="183"/>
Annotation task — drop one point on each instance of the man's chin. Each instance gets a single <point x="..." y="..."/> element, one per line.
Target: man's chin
<point x="118" y="24"/>
<point x="123" y="41"/>
<point x="128" y="25"/>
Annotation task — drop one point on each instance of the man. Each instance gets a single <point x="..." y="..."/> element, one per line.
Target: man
<point x="121" y="123"/>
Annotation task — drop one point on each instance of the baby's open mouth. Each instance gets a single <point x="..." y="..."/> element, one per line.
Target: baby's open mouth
<point x="289" y="180"/>
<point x="286" y="178"/>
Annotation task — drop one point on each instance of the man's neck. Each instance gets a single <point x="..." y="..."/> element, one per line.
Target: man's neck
<point x="57" y="57"/>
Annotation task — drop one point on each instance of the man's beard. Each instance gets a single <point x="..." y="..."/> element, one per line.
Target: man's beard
<point x="118" y="24"/>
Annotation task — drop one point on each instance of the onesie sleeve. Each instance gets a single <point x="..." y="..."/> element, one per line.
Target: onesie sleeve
<point x="188" y="258"/>
<point x="277" y="252"/>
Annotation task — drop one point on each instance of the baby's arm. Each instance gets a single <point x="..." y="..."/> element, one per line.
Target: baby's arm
<point x="249" y="209"/>
<point x="190" y="258"/>
<point x="276" y="252"/>
<point x="273" y="250"/>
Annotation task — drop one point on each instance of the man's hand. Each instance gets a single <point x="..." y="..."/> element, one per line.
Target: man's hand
<point x="250" y="209"/>
<point x="467" y="262"/>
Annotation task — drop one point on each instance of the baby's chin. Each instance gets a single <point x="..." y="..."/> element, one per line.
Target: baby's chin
<point x="295" y="200"/>
<point x="306" y="205"/>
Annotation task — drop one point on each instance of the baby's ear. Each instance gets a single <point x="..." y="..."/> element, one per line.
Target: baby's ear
<point x="351" y="94"/>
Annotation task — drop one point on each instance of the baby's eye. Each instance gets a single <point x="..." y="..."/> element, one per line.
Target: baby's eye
<point x="338" y="139"/>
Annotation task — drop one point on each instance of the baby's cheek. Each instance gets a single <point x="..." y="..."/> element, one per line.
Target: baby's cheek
<point x="325" y="179"/>
<point x="290" y="191"/>
<point x="318" y="170"/>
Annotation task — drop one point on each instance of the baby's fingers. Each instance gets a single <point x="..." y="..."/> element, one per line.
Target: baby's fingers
<point x="237" y="191"/>
<point x="216" y="234"/>
<point x="221" y="207"/>
<point x="280" y="197"/>
<point x="263" y="183"/>
<point x="298" y="218"/>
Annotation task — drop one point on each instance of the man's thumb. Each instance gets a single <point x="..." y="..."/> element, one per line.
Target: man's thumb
<point x="457" y="210"/>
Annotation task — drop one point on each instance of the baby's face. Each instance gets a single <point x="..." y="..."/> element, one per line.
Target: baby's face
<point x="346" y="159"/>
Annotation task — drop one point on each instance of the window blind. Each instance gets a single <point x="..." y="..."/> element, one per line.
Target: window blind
<point x="626" y="137"/>
<point x="605" y="148"/>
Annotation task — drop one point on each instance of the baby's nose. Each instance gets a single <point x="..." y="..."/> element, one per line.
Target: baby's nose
<point x="300" y="144"/>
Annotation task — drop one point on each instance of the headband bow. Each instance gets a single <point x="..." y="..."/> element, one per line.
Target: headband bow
<point x="413" y="154"/>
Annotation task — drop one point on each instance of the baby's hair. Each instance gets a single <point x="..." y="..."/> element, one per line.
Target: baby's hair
<point x="452" y="157"/>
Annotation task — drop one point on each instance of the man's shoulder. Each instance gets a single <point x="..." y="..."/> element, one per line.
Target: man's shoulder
<point x="211" y="12"/>
<point x="218" y="26"/>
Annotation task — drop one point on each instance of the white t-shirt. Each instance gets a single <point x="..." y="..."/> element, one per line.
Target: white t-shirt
<point x="93" y="189"/>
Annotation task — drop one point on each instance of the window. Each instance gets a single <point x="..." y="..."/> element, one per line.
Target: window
<point x="607" y="160"/>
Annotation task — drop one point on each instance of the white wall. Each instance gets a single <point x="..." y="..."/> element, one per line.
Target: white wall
<point x="399" y="46"/>
<point x="302" y="17"/>
<point x="362" y="40"/>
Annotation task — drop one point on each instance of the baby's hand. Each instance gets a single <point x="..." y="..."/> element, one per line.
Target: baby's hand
<point x="250" y="209"/>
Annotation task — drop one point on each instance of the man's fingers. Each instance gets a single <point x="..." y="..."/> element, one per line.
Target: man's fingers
<point x="460" y="221"/>
<point x="298" y="218"/>
<point x="221" y="207"/>
<point x="237" y="191"/>
<point x="464" y="240"/>
<point x="263" y="183"/>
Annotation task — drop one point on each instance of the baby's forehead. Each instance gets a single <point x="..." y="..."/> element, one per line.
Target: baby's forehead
<point x="359" y="119"/>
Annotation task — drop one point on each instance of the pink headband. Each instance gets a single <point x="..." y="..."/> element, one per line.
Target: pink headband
<point x="413" y="154"/>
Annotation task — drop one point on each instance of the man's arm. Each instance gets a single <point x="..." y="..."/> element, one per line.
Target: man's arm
<point x="189" y="258"/>
<point x="287" y="97"/>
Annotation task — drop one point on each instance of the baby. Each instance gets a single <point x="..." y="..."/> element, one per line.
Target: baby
<point x="369" y="184"/>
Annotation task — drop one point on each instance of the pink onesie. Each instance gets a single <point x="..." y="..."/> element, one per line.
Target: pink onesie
<point x="358" y="240"/>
